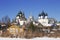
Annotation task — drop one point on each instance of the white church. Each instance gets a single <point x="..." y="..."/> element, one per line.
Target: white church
<point x="42" y="18"/>
<point x="20" y="18"/>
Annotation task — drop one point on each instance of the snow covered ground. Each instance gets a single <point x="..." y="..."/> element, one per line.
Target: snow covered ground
<point x="43" y="38"/>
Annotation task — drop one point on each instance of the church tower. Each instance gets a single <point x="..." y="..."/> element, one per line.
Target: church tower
<point x="43" y="15"/>
<point x="43" y="18"/>
<point x="20" y="18"/>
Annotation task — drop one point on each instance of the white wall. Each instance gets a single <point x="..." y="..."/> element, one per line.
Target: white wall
<point x="43" y="21"/>
<point x="21" y="22"/>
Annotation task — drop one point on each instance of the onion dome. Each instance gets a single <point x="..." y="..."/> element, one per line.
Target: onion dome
<point x="39" y="15"/>
<point x="21" y="14"/>
<point x="42" y="14"/>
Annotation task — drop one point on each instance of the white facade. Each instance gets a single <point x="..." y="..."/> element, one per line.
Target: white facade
<point x="44" y="22"/>
<point x="21" y="22"/>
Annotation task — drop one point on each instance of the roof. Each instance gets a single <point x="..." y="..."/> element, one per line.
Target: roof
<point x="20" y="13"/>
<point x="43" y="14"/>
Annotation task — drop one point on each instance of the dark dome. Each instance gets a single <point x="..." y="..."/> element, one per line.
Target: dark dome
<point x="42" y="14"/>
<point x="20" y="12"/>
<point x="39" y="15"/>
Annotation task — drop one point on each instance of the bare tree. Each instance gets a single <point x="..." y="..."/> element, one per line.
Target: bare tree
<point x="6" y="20"/>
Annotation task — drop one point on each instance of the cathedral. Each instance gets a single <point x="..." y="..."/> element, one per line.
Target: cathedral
<point x="20" y="18"/>
<point x="44" y="20"/>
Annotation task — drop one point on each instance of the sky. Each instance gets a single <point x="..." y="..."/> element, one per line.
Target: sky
<point x="33" y="7"/>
